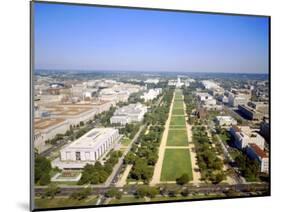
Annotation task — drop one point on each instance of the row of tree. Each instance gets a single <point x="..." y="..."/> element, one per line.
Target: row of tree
<point x="98" y="173"/>
<point x="129" y="130"/>
<point x="144" y="153"/>
<point x="210" y="165"/>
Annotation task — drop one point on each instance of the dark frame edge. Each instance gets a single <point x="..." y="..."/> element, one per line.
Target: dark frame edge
<point x="31" y="143"/>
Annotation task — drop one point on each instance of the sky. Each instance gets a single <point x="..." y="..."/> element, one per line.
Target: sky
<point x="74" y="37"/>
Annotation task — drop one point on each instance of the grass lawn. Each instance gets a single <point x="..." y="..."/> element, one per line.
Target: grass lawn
<point x="177" y="120"/>
<point x="63" y="202"/>
<point x="178" y="111"/>
<point x="176" y="162"/>
<point x="177" y="137"/>
<point x="126" y="199"/>
<point x="198" y="196"/>
<point x="125" y="141"/>
<point x="177" y="127"/>
<point x="178" y="104"/>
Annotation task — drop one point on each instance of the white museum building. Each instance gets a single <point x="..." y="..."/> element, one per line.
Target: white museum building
<point x="88" y="148"/>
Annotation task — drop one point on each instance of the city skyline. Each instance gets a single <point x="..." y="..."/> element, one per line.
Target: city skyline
<point x="161" y="41"/>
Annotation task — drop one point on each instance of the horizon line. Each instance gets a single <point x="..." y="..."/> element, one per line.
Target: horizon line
<point x="145" y="71"/>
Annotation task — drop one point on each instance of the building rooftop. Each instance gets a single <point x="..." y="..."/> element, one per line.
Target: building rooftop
<point x="68" y="110"/>
<point x="227" y="118"/>
<point x="92" y="138"/>
<point x="258" y="150"/>
<point x="41" y="124"/>
<point x="129" y="109"/>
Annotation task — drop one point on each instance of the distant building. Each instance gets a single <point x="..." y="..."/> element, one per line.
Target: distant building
<point x="256" y="153"/>
<point x="244" y="135"/>
<point x="250" y="113"/>
<point x="73" y="113"/>
<point x="47" y="128"/>
<point x="208" y="84"/>
<point x="207" y="101"/>
<point x="151" y="94"/>
<point x="179" y="83"/>
<point x="225" y="120"/>
<point x="128" y="114"/>
<point x="88" y="148"/>
<point x="239" y="97"/>
<point x="152" y="81"/>
<point x="264" y="129"/>
<point x="234" y="101"/>
<point x="202" y="96"/>
<point x="223" y="98"/>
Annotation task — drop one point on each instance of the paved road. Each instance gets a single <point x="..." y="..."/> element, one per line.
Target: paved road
<point x="66" y="191"/>
<point x="53" y="148"/>
<point x="112" y="179"/>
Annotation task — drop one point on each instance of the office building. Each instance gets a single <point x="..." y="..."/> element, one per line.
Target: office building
<point x="128" y="114"/>
<point x="244" y="135"/>
<point x="256" y="153"/>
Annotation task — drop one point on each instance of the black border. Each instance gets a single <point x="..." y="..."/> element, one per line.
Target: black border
<point x="31" y="66"/>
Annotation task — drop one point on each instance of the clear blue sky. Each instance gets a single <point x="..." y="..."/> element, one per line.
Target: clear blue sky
<point x="89" y="38"/>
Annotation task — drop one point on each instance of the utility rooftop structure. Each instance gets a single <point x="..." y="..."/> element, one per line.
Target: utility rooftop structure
<point x="128" y="114"/>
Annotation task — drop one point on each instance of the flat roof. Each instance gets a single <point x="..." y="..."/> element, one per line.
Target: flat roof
<point x="91" y="138"/>
<point x="45" y="123"/>
<point x="68" y="110"/>
<point x="258" y="150"/>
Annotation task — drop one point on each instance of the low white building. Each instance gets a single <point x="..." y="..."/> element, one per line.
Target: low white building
<point x="151" y="94"/>
<point x="128" y="114"/>
<point x="244" y="135"/>
<point x="202" y="96"/>
<point x="225" y="120"/>
<point x="152" y="81"/>
<point x="208" y="84"/>
<point x="207" y="101"/>
<point x="88" y="148"/>
<point x="234" y="101"/>
<point x="238" y="97"/>
<point x="256" y="153"/>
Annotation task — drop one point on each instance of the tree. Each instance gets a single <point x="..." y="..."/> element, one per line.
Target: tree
<point x="42" y="169"/>
<point x="130" y="158"/>
<point x="114" y="193"/>
<point x="82" y="194"/>
<point x="185" y="192"/>
<point x="52" y="190"/>
<point x="141" y="191"/>
<point x="152" y="192"/>
<point x="217" y="178"/>
<point x="44" y="179"/>
<point x="172" y="192"/>
<point x="184" y="179"/>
